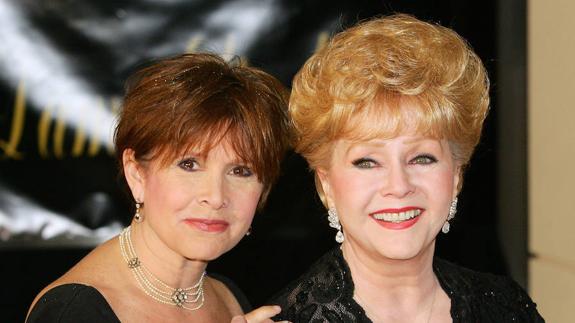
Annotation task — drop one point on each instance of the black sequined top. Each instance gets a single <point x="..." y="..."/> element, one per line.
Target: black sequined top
<point x="325" y="294"/>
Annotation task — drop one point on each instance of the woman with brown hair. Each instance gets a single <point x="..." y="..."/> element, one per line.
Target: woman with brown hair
<point x="387" y="116"/>
<point x="199" y="142"/>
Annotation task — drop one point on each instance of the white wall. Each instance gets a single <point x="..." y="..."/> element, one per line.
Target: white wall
<point x="551" y="151"/>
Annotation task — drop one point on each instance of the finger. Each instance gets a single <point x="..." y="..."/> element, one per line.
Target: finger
<point x="263" y="313"/>
<point x="239" y="319"/>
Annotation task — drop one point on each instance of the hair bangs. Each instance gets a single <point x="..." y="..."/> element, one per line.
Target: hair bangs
<point x="389" y="115"/>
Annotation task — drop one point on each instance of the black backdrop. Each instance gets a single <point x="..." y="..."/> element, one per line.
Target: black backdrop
<point x="62" y="68"/>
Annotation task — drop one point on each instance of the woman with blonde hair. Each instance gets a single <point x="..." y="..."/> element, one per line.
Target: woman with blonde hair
<point x="199" y="143"/>
<point x="387" y="116"/>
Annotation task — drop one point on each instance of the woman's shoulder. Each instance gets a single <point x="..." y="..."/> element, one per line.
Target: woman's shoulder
<point x="83" y="282"/>
<point x="325" y="291"/>
<point x="230" y="293"/>
<point x="467" y="282"/>
<point x="326" y="269"/>
<point x="72" y="302"/>
<point x="485" y="295"/>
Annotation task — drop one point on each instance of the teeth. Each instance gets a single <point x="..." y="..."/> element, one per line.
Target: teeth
<point x="397" y="217"/>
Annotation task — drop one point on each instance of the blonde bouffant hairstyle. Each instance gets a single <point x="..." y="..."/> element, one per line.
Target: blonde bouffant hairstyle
<point x="384" y="76"/>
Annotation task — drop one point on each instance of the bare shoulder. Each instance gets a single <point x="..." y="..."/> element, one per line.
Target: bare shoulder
<point x="94" y="270"/>
<point x="225" y="295"/>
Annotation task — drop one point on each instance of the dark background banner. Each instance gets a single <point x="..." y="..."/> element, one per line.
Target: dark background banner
<point x="63" y="64"/>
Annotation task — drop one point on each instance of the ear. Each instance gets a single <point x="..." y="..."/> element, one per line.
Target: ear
<point x="322" y="175"/>
<point x="134" y="174"/>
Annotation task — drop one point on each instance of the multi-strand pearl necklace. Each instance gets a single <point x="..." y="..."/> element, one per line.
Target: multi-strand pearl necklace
<point x="154" y="287"/>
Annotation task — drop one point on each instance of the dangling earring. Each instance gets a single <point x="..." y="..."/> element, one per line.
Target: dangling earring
<point x="334" y="223"/>
<point x="249" y="231"/>
<point x="451" y="215"/>
<point x="138" y="216"/>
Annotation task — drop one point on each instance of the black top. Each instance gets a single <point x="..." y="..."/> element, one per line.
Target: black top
<point x="82" y="303"/>
<point x="325" y="294"/>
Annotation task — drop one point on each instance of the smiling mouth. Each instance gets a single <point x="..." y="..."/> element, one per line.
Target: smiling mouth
<point x="397" y="217"/>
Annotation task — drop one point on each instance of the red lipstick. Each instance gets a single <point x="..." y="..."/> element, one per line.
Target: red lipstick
<point x="205" y="225"/>
<point x="400" y="225"/>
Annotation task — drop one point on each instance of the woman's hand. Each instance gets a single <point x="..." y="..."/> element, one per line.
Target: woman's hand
<point x="263" y="314"/>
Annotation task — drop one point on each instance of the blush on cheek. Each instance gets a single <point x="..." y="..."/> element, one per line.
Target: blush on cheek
<point x="350" y="187"/>
<point x="248" y="202"/>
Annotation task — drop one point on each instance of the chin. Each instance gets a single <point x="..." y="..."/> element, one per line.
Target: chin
<point x="398" y="254"/>
<point x="203" y="255"/>
<point x="204" y="251"/>
<point x="406" y="253"/>
<point x="401" y="251"/>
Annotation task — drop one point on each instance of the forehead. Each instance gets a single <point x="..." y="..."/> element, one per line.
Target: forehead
<point x="404" y="140"/>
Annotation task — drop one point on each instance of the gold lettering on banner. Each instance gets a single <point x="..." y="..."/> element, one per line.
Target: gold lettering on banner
<point x="10" y="147"/>
<point x="58" y="137"/>
<point x="94" y="146"/>
<point x="322" y="40"/>
<point x="79" y="142"/>
<point x="194" y="43"/>
<point x="43" y="131"/>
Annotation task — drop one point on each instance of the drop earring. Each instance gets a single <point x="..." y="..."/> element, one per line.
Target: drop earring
<point x="138" y="216"/>
<point x="334" y="223"/>
<point x="451" y="215"/>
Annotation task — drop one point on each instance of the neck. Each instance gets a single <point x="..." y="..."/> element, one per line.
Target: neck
<point x="394" y="288"/>
<point x="166" y="264"/>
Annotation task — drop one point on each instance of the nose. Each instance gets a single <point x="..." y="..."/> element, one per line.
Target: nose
<point x="212" y="192"/>
<point x="398" y="182"/>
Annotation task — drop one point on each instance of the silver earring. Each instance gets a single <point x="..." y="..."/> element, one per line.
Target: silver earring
<point x="138" y="216"/>
<point x="249" y="231"/>
<point x="451" y="215"/>
<point x="334" y="223"/>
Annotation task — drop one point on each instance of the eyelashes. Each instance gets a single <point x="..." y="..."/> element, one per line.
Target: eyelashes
<point x="364" y="163"/>
<point x="242" y="171"/>
<point x="424" y="159"/>
<point x="368" y="163"/>
<point x="188" y="164"/>
<point x="192" y="165"/>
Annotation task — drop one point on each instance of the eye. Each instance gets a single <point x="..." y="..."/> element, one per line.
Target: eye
<point x="364" y="163"/>
<point x="242" y="171"/>
<point x="188" y="164"/>
<point x="423" y="160"/>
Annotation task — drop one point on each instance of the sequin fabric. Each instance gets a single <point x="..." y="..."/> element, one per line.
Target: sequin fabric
<point x="325" y="294"/>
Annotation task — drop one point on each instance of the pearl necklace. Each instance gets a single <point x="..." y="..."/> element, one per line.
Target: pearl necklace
<point x="163" y="293"/>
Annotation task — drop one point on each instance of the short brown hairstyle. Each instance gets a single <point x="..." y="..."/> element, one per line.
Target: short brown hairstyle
<point x="353" y="88"/>
<point x="195" y="101"/>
